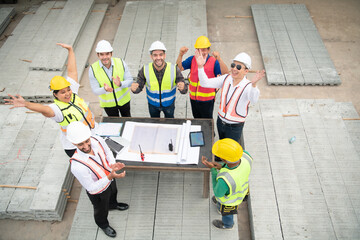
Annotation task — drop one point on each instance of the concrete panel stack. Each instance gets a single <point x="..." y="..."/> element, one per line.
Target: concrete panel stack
<point x="307" y="188"/>
<point x="32" y="154"/>
<point x="13" y="70"/>
<point x="66" y="29"/>
<point x="171" y="22"/>
<point x="292" y="49"/>
<point x="6" y="14"/>
<point x="29" y="36"/>
<point x="32" y="144"/>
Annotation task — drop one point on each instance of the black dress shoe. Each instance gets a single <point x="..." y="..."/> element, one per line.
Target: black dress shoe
<point x="109" y="231"/>
<point x="120" y="206"/>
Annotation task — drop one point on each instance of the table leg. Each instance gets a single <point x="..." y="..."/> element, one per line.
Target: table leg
<point x="206" y="188"/>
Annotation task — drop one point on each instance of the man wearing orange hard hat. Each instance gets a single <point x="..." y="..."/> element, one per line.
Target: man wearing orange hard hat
<point x="202" y="99"/>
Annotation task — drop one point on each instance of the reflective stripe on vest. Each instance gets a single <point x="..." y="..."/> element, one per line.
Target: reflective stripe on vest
<point x="228" y="110"/>
<point x="75" y="110"/>
<point x="160" y="96"/>
<point x="237" y="180"/>
<point x="119" y="96"/>
<point x="100" y="170"/>
<point x="196" y="91"/>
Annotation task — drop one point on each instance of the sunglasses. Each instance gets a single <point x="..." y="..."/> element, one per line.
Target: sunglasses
<point x="238" y="67"/>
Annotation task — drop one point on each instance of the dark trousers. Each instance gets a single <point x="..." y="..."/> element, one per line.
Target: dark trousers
<point x="202" y="109"/>
<point x="168" y="111"/>
<point x="70" y="152"/>
<point x="102" y="202"/>
<point x="232" y="131"/>
<point x="114" y="111"/>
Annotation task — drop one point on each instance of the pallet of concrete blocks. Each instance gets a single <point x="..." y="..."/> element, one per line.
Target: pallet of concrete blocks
<point x="6" y="14"/>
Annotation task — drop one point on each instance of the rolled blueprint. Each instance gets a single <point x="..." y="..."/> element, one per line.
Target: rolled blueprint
<point x="184" y="142"/>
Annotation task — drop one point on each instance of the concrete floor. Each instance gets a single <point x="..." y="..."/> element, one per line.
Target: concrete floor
<point x="337" y="22"/>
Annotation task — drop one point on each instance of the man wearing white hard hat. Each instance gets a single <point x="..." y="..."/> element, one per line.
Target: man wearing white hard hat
<point x="110" y="79"/>
<point x="161" y="79"/>
<point x="237" y="92"/>
<point x="94" y="166"/>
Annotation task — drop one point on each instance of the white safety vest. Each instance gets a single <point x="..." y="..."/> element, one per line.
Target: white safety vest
<point x="100" y="170"/>
<point x="228" y="110"/>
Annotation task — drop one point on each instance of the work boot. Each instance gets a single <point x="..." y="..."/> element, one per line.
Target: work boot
<point x="219" y="224"/>
<point x="213" y="200"/>
<point x="109" y="231"/>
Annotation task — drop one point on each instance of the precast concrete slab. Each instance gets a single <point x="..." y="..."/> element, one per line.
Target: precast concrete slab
<point x="144" y="22"/>
<point x="304" y="174"/>
<point x="289" y="28"/>
<point x="33" y="85"/>
<point x="6" y="14"/>
<point x="87" y="38"/>
<point x="66" y="29"/>
<point x="162" y="206"/>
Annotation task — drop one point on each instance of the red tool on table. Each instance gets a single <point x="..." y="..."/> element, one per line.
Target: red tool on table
<point x="142" y="156"/>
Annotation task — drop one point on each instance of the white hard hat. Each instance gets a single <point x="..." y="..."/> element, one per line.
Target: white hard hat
<point x="157" y="45"/>
<point x="103" y="46"/>
<point x="243" y="58"/>
<point x="77" y="132"/>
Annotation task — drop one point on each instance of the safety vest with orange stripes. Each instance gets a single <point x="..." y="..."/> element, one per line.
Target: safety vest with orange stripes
<point x="75" y="110"/>
<point x="100" y="170"/>
<point x="196" y="91"/>
<point x="228" y="110"/>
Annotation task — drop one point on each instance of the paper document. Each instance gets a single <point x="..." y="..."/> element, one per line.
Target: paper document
<point x="109" y="129"/>
<point x="154" y="139"/>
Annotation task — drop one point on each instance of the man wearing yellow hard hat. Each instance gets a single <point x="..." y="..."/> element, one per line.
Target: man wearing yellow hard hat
<point x="230" y="179"/>
<point x="67" y="106"/>
<point x="202" y="99"/>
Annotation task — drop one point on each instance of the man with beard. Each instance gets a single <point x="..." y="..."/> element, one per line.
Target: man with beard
<point x="110" y="79"/>
<point x="161" y="79"/>
<point x="94" y="166"/>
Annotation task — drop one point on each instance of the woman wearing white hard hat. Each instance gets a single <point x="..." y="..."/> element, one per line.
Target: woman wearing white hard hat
<point x="67" y="106"/>
<point x="237" y="92"/>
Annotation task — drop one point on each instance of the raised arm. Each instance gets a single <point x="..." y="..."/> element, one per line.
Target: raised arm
<point x="19" y="101"/>
<point x="183" y="50"/>
<point x="224" y="69"/>
<point x="71" y="64"/>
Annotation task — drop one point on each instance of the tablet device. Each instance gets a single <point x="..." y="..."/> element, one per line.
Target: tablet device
<point x="197" y="139"/>
<point x="113" y="145"/>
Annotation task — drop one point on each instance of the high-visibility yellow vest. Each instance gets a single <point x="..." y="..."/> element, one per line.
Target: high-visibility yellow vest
<point x="119" y="96"/>
<point x="75" y="110"/>
<point x="237" y="180"/>
<point x="163" y="95"/>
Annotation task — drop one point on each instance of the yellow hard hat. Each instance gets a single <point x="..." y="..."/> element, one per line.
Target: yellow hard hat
<point x="202" y="42"/>
<point x="227" y="149"/>
<point x="58" y="82"/>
